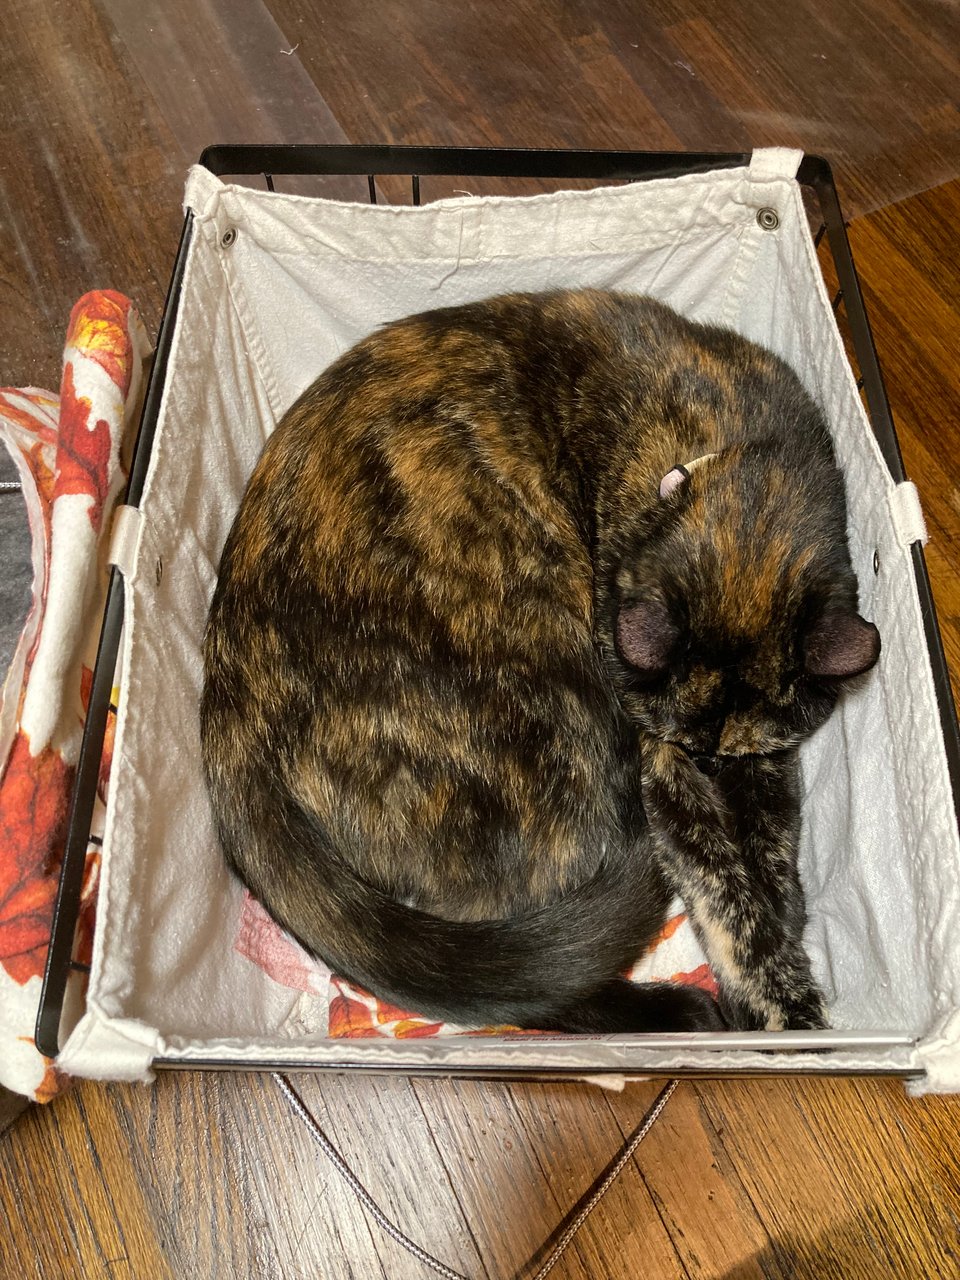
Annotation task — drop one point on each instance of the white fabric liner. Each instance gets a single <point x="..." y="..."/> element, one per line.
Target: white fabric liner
<point x="260" y="317"/>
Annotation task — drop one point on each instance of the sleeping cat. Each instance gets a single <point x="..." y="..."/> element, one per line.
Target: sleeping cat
<point x="525" y="611"/>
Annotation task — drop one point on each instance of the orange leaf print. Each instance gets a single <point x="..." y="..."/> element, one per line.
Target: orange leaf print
<point x="53" y="1081"/>
<point x="701" y="977"/>
<point x="27" y="417"/>
<point x="88" y="907"/>
<point x="505" y="1030"/>
<point x="416" y="1029"/>
<point x="98" y="328"/>
<point x="33" y="820"/>
<point x="349" y="1019"/>
<point x="387" y="1012"/>
<point x="109" y="732"/>
<point x="43" y="478"/>
<point x="106" y="757"/>
<point x="83" y="453"/>
<point x="666" y="931"/>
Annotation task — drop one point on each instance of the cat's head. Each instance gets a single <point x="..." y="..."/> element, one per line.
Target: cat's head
<point x="734" y="618"/>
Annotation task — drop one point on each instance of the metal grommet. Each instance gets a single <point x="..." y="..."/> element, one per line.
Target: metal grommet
<point x="228" y="237"/>
<point x="768" y="219"/>
<point x="159" y="571"/>
<point x="876" y="561"/>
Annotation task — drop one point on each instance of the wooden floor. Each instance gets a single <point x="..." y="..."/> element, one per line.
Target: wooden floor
<point x="105" y="102"/>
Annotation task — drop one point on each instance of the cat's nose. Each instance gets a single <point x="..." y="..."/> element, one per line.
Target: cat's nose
<point x="710" y="765"/>
<point x="703" y="741"/>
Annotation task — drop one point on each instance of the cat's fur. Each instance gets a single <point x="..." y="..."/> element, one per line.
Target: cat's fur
<point x="478" y="699"/>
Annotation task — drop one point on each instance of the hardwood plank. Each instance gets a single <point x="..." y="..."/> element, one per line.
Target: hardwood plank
<point x="223" y="71"/>
<point x="77" y="1211"/>
<point x="607" y="73"/>
<point x="907" y="264"/>
<point x="82" y="150"/>
<point x="232" y="1184"/>
<point x="837" y="1192"/>
<point x="701" y="1200"/>
<point x="387" y="1139"/>
<point x="524" y="1156"/>
<point x="930" y="1127"/>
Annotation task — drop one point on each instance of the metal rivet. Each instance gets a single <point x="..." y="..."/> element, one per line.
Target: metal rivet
<point x="159" y="570"/>
<point x="768" y="218"/>
<point x="228" y="237"/>
<point x="876" y="562"/>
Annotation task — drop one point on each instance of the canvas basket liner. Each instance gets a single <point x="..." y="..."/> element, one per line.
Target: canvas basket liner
<point x="263" y="311"/>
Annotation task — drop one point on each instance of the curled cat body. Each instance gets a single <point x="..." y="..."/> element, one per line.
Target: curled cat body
<point x="525" y="612"/>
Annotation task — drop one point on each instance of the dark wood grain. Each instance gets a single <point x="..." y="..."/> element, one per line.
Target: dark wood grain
<point x="105" y="104"/>
<point x="838" y="1191"/>
<point x="702" y="1201"/>
<point x="523" y="1158"/>
<point x="872" y="84"/>
<point x="911" y="276"/>
<point x="87" y="172"/>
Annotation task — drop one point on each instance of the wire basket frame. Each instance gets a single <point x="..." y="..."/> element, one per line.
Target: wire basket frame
<point x="268" y="162"/>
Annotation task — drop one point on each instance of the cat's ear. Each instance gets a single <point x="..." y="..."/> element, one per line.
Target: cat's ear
<point x="646" y="635"/>
<point x="840" y="644"/>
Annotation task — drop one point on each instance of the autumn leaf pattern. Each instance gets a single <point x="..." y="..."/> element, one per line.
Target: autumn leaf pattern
<point x="666" y="931"/>
<point x="702" y="977"/>
<point x="33" y="821"/>
<point x="65" y="452"/>
<point x="23" y="409"/>
<point x="83" y="948"/>
<point x="99" y="328"/>
<point x="52" y="1083"/>
<point x="109" y="732"/>
<point x="83" y="454"/>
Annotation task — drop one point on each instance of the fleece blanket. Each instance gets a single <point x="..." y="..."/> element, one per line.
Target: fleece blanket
<point x="70" y="451"/>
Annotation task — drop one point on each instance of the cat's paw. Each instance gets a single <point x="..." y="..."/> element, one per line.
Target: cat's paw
<point x="801" y="1009"/>
<point x="739" y="1014"/>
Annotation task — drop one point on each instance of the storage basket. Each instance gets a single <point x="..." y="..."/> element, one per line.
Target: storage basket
<point x="268" y="289"/>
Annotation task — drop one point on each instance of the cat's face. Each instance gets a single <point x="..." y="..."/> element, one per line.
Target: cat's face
<point x="740" y="695"/>
<point x="737" y="642"/>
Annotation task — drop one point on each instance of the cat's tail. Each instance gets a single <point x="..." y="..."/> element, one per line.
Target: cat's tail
<point x="553" y="969"/>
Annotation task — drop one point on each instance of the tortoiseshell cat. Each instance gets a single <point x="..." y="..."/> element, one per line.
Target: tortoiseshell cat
<point x="489" y="675"/>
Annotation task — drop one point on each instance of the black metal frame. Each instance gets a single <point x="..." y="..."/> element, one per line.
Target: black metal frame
<point x="415" y="162"/>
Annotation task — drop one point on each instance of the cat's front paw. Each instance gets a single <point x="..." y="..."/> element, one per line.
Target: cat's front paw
<point x="740" y="1014"/>
<point x="800" y="1009"/>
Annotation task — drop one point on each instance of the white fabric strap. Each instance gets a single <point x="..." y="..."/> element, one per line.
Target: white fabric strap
<point x="939" y="1055"/>
<point x="125" y="539"/>
<point x="907" y="515"/>
<point x="103" y="1048"/>
<point x="202" y="189"/>
<point x="767" y="163"/>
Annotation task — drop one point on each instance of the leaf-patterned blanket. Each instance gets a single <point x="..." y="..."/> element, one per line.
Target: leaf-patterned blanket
<point x="69" y="452"/>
